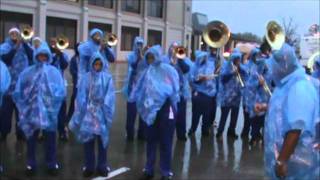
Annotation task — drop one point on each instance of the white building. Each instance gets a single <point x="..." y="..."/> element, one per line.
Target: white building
<point x="157" y="21"/>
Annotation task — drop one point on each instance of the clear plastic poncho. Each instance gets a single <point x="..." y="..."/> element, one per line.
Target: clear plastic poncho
<point x="38" y="94"/>
<point x="19" y="62"/>
<point x="203" y="67"/>
<point x="135" y="67"/>
<point x="294" y="105"/>
<point x="158" y="82"/>
<point x="5" y="80"/>
<point x="95" y="105"/>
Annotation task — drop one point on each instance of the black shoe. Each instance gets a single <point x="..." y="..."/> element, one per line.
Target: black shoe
<point x="103" y="172"/>
<point x="30" y="171"/>
<point x="219" y="136"/>
<point x="63" y="137"/>
<point x="205" y="133"/>
<point x="253" y="142"/>
<point x="141" y="138"/>
<point x="20" y="138"/>
<point x="1" y="169"/>
<point x="3" y="137"/>
<point x="86" y="172"/>
<point x="182" y="138"/>
<point x="166" y="178"/>
<point x="129" y="138"/>
<point x="233" y="135"/>
<point x="146" y="176"/>
<point x="190" y="133"/>
<point x="244" y="136"/>
<point x="53" y="171"/>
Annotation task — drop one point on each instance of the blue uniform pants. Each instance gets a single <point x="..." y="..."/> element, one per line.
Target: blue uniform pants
<point x="233" y="122"/>
<point x="257" y="123"/>
<point x="181" y="118"/>
<point x="89" y="154"/>
<point x="62" y="118"/>
<point x="131" y="118"/>
<point x="201" y="106"/>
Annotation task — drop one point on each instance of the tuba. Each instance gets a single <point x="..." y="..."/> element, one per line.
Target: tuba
<point x="62" y="42"/>
<point x="275" y="35"/>
<point x="27" y="32"/>
<point x="216" y="34"/>
<point x="110" y="39"/>
<point x="311" y="61"/>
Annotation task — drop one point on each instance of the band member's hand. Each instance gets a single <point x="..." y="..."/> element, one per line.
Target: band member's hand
<point x="261" y="80"/>
<point x="316" y="146"/>
<point x="260" y="107"/>
<point x="281" y="169"/>
<point x="202" y="78"/>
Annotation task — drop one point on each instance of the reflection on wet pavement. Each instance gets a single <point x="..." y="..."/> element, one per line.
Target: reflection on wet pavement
<point x="197" y="158"/>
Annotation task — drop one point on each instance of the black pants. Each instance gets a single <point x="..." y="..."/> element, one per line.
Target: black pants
<point x="201" y="106"/>
<point x="8" y="106"/>
<point x="234" y="118"/>
<point x="213" y="110"/>
<point x="62" y="118"/>
<point x="247" y="123"/>
<point x="71" y="107"/>
<point x="257" y="123"/>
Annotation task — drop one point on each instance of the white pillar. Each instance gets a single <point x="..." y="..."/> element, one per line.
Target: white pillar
<point x="117" y="28"/>
<point x="41" y="21"/>
<point x="144" y="32"/>
<point x="83" y="25"/>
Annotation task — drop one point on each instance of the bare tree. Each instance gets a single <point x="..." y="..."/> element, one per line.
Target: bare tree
<point x="292" y="37"/>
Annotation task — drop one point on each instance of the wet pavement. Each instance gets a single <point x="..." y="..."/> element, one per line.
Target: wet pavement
<point x="198" y="158"/>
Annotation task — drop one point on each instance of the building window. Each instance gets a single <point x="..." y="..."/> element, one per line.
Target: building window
<point x="102" y="3"/>
<point x="131" y="6"/>
<point x="11" y="19"/>
<point x="155" y="8"/>
<point x="105" y="28"/>
<point x="60" y="26"/>
<point x="154" y="37"/>
<point x="127" y="37"/>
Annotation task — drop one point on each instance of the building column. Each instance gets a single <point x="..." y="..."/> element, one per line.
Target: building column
<point x="41" y="19"/>
<point x="117" y="27"/>
<point x="144" y="32"/>
<point x="166" y="27"/>
<point x="83" y="24"/>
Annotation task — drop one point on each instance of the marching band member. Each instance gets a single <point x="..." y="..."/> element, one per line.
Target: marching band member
<point x="90" y="47"/>
<point x="231" y="84"/>
<point x="214" y="57"/>
<point x="91" y="121"/>
<point x="38" y="96"/>
<point x="289" y="131"/>
<point x="250" y="70"/>
<point x="36" y="41"/>
<point x="316" y="68"/>
<point x="61" y="62"/>
<point x="135" y="66"/>
<point x="17" y="55"/>
<point x="74" y="66"/>
<point x="204" y="88"/>
<point x="182" y="67"/>
<point x="258" y="91"/>
<point x="5" y="80"/>
<point x="157" y="95"/>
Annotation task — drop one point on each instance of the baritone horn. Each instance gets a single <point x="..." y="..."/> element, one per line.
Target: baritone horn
<point x="180" y="52"/>
<point x="62" y="42"/>
<point x="275" y="35"/>
<point x="27" y="32"/>
<point x="110" y="39"/>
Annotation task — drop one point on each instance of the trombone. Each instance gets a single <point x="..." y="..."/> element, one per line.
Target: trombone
<point x="110" y="39"/>
<point x="62" y="42"/>
<point x="275" y="35"/>
<point x="265" y="86"/>
<point x="27" y="32"/>
<point x="238" y="75"/>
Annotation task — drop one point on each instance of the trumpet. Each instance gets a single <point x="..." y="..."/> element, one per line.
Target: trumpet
<point x="110" y="39"/>
<point x="180" y="52"/>
<point x="238" y="75"/>
<point x="275" y="35"/>
<point x="62" y="42"/>
<point x="27" y="32"/>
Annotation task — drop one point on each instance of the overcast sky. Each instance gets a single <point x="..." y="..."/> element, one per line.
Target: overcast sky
<point x="253" y="15"/>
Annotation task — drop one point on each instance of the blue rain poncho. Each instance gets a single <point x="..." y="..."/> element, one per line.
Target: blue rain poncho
<point x="95" y="105"/>
<point x="16" y="60"/>
<point x="183" y="68"/>
<point x="203" y="67"/>
<point x="158" y="83"/>
<point x="5" y="80"/>
<point x="135" y="67"/>
<point x="229" y="87"/>
<point x="38" y="94"/>
<point x="294" y="105"/>
<point x="86" y="51"/>
<point x="255" y="93"/>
